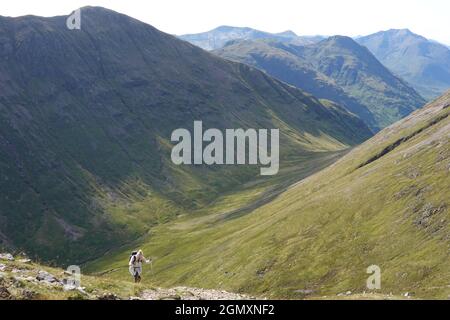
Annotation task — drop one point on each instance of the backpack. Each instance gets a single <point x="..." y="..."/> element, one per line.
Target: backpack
<point x="133" y="257"/>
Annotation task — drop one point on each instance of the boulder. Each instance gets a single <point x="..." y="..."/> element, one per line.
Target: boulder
<point x="26" y="261"/>
<point x="108" y="296"/>
<point x="46" y="277"/>
<point x="4" y="293"/>
<point x="6" y="256"/>
<point x="30" y="295"/>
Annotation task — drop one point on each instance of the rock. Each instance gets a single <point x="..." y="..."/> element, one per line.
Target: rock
<point x="70" y="287"/>
<point x="46" y="277"/>
<point x="82" y="291"/>
<point x="108" y="296"/>
<point x="29" y="294"/>
<point x="6" y="256"/>
<point x="2" y="267"/>
<point x="4" y="294"/>
<point x="26" y="261"/>
<point x="348" y="293"/>
<point x="21" y="279"/>
<point x="406" y="294"/>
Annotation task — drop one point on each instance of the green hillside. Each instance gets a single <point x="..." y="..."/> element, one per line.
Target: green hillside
<point x="337" y="69"/>
<point x="86" y="118"/>
<point x="385" y="203"/>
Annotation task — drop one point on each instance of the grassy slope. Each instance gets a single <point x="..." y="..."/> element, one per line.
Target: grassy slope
<point x="371" y="207"/>
<point x="18" y="282"/>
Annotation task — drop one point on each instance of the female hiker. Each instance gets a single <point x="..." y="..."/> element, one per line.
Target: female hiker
<point x="135" y="264"/>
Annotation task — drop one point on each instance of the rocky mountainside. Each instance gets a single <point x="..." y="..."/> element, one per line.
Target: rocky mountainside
<point x="86" y="119"/>
<point x="424" y="63"/>
<point x="337" y="69"/>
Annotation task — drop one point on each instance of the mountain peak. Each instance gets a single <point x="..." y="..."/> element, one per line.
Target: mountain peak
<point x="97" y="10"/>
<point x="341" y="41"/>
<point x="287" y="33"/>
<point x="226" y="28"/>
<point x="400" y="31"/>
<point x="422" y="62"/>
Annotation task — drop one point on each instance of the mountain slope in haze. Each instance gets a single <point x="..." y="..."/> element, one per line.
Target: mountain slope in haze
<point x="386" y="203"/>
<point x="86" y="119"/>
<point x="424" y="63"/>
<point x="218" y="37"/>
<point x="337" y="69"/>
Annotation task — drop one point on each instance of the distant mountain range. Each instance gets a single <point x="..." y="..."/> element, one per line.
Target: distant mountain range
<point x="338" y="69"/>
<point x="424" y="63"/>
<point x="219" y="36"/>
<point x="86" y="119"/>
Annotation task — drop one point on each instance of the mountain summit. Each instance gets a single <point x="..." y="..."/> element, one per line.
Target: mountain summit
<point x="423" y="63"/>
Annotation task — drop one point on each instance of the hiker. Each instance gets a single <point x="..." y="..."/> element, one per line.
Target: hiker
<point x="135" y="265"/>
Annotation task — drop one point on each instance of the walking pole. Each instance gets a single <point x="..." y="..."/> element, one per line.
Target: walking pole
<point x="151" y="266"/>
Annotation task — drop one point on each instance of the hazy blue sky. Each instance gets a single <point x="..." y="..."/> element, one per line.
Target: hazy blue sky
<point x="429" y="18"/>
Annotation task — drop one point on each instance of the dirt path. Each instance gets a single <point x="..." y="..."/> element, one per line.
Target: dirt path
<point x="185" y="293"/>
